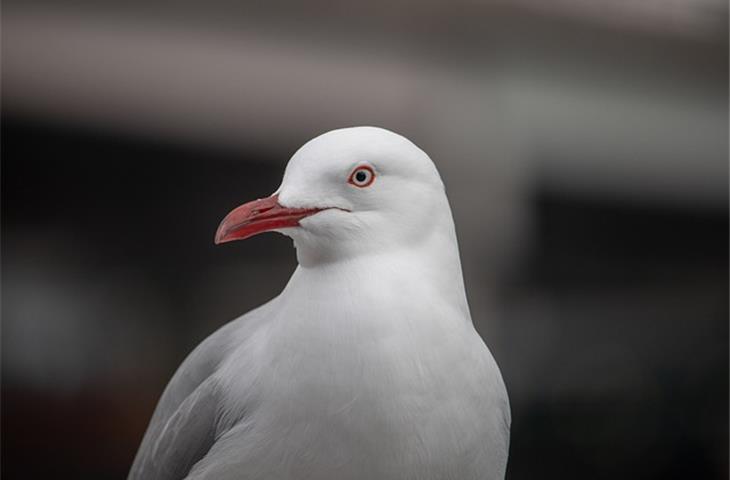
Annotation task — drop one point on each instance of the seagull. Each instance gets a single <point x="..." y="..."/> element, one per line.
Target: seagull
<point x="367" y="365"/>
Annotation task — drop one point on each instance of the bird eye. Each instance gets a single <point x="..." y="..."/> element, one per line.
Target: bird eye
<point x="362" y="177"/>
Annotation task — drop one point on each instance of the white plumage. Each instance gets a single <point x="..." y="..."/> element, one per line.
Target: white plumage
<point x="367" y="365"/>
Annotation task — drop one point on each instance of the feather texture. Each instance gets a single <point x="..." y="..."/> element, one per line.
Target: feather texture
<point x="367" y="365"/>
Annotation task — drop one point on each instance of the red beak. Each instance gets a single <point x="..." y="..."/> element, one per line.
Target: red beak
<point x="259" y="216"/>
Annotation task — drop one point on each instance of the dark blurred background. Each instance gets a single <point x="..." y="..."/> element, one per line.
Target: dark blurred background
<point x="585" y="152"/>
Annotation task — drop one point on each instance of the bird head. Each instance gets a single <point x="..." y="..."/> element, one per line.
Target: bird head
<point x="349" y="191"/>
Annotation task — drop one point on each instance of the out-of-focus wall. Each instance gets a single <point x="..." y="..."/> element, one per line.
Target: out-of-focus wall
<point x="584" y="149"/>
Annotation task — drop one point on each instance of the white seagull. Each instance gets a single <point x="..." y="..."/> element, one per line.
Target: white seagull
<point x="367" y="365"/>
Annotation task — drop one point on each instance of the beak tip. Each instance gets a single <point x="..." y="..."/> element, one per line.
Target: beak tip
<point x="220" y="236"/>
<point x="220" y="239"/>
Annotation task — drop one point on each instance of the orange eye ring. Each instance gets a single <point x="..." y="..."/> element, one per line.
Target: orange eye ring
<point x="363" y="176"/>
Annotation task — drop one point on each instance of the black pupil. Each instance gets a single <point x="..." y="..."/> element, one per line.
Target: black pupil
<point x="361" y="176"/>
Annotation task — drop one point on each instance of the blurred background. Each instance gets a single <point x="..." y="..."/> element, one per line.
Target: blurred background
<point x="584" y="146"/>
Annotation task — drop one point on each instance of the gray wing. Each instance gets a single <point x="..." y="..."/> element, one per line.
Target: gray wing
<point x="182" y="429"/>
<point x="185" y="438"/>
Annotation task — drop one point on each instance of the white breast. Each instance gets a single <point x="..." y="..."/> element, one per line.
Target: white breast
<point x="355" y="379"/>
